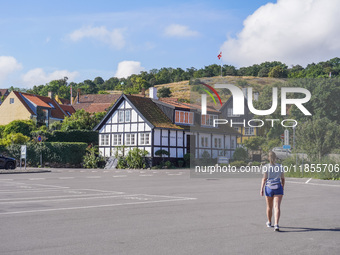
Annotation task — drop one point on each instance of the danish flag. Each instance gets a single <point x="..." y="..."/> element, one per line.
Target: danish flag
<point x="219" y="55"/>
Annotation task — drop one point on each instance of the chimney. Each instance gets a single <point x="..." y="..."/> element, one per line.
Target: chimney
<point x="153" y="93"/>
<point x="78" y="95"/>
<point x="50" y="94"/>
<point x="143" y="92"/>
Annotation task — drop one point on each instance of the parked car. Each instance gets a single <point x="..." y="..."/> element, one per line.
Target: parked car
<point x="282" y="153"/>
<point x="7" y="163"/>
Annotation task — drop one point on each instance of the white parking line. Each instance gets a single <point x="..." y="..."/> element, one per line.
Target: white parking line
<point x="93" y="177"/>
<point x="308" y="180"/>
<point x="117" y="176"/>
<point x="316" y="184"/>
<point x="36" y="179"/>
<point x="65" y="178"/>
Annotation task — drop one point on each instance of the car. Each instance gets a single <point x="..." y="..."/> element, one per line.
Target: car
<point x="282" y="153"/>
<point x="7" y="162"/>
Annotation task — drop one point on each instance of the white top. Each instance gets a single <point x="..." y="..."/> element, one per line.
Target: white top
<point x="274" y="173"/>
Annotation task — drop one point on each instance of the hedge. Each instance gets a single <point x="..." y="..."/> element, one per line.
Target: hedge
<point x="53" y="153"/>
<point x="72" y="136"/>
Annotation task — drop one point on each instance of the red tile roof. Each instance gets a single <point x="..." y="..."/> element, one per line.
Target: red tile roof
<point x="3" y="92"/>
<point x="95" y="103"/>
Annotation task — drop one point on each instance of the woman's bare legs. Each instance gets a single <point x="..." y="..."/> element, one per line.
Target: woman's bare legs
<point x="277" y="204"/>
<point x="269" y="201"/>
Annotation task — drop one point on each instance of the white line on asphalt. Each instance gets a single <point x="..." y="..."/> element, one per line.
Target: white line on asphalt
<point x="28" y="190"/>
<point x="98" y="206"/>
<point x="146" y="175"/>
<point x="119" y="176"/>
<point x="94" y="171"/>
<point x="36" y="179"/>
<point x="308" y="180"/>
<point x="93" y="177"/>
<point x="7" y="180"/>
<point x="65" y="178"/>
<point x="316" y="184"/>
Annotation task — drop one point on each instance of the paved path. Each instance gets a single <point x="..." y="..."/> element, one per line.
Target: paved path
<point x="78" y="211"/>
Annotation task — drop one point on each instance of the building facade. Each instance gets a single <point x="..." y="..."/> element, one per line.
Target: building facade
<point x="152" y="124"/>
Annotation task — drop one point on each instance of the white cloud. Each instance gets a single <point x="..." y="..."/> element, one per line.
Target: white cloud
<point x="8" y="65"/>
<point x="114" y="38"/>
<point x="176" y="30"/>
<point x="294" y="32"/>
<point x="127" y="68"/>
<point x="38" y="76"/>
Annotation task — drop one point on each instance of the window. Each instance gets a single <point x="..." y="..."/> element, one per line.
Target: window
<point x="232" y="145"/>
<point x="104" y="140"/>
<point x="144" y="138"/>
<point x="117" y="139"/>
<point x="184" y="117"/>
<point x="130" y="139"/>
<point x="50" y="104"/>
<point x="208" y="120"/>
<point x="11" y="100"/>
<point x="249" y="131"/>
<point x="230" y="113"/>
<point x="127" y="116"/>
<point x="204" y="141"/>
<point x="120" y="116"/>
<point x="218" y="142"/>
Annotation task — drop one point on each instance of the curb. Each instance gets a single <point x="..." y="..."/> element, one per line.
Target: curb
<point x="24" y="171"/>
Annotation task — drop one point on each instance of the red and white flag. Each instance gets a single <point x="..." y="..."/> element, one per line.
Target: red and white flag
<point x="219" y="55"/>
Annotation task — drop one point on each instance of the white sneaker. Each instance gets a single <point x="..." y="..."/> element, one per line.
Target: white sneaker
<point x="269" y="224"/>
<point x="276" y="228"/>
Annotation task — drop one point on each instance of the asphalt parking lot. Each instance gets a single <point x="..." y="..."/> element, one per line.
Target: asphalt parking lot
<point x="78" y="211"/>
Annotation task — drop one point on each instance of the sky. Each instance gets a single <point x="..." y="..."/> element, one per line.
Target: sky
<point x="46" y="40"/>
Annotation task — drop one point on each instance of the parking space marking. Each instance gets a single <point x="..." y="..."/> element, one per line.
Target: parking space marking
<point x="93" y="177"/>
<point x="117" y="176"/>
<point x="65" y="178"/>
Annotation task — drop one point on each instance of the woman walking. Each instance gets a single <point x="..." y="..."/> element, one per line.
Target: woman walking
<point x="272" y="184"/>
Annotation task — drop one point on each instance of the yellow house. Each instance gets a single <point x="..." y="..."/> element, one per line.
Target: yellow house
<point x="24" y="106"/>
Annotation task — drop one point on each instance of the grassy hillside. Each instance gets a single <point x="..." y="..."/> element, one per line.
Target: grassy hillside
<point x="182" y="90"/>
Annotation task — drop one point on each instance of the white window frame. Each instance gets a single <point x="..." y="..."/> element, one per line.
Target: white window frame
<point x="249" y="131"/>
<point x="127" y="116"/>
<point x="120" y="116"/>
<point x="218" y="142"/>
<point x="230" y="113"/>
<point x="209" y="120"/>
<point x="11" y="101"/>
<point x="144" y="138"/>
<point x="130" y="139"/>
<point x="117" y="139"/>
<point x="105" y="140"/>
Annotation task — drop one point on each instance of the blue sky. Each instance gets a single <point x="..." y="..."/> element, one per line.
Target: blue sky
<point x="45" y="40"/>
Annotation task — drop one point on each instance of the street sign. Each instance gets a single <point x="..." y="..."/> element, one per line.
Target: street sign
<point x="286" y="137"/>
<point x="39" y="138"/>
<point x="286" y="147"/>
<point x="282" y="136"/>
<point x="23" y="151"/>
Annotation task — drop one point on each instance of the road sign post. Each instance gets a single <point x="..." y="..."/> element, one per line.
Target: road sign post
<point x="23" y="154"/>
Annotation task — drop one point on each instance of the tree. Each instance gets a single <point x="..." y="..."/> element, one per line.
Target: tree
<point x="316" y="137"/>
<point x="278" y="72"/>
<point x="19" y="126"/>
<point x="164" y="92"/>
<point x="82" y="120"/>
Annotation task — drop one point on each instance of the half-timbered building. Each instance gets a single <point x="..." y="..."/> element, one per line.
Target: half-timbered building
<point x="166" y="124"/>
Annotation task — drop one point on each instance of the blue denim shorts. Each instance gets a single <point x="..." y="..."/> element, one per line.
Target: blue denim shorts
<point x="272" y="192"/>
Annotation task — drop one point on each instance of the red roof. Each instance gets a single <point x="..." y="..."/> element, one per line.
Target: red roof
<point x="95" y="102"/>
<point x="41" y="101"/>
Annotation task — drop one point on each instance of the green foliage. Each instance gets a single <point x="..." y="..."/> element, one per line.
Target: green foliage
<point x="53" y="153"/>
<point x="240" y="154"/>
<point x="187" y="158"/>
<point x="317" y="137"/>
<point x="180" y="163"/>
<point x="254" y="143"/>
<point x="92" y="159"/>
<point x="206" y="158"/>
<point x="136" y="158"/>
<point x="164" y="92"/>
<point x="14" y="138"/>
<point x="168" y="164"/>
<point x="161" y="153"/>
<point x="82" y="120"/>
<point x="238" y="163"/>
<point x="24" y="127"/>
<point x="84" y="136"/>
<point x="269" y="144"/>
<point x="278" y="72"/>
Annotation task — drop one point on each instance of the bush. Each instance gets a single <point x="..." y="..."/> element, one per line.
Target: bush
<point x="180" y="163"/>
<point x="238" y="163"/>
<point x="240" y="154"/>
<point x="92" y="159"/>
<point x="53" y="153"/>
<point x="84" y="136"/>
<point x="136" y="158"/>
<point x="186" y="158"/>
<point x="255" y="163"/>
<point x="168" y="164"/>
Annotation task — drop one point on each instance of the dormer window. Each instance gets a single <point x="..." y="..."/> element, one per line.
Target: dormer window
<point x="50" y="104"/>
<point x="184" y="117"/>
<point x="230" y="113"/>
